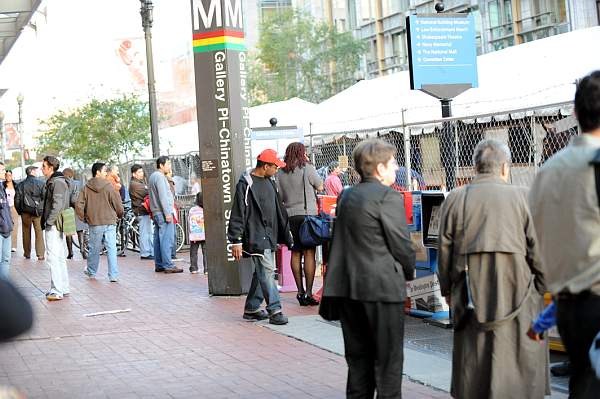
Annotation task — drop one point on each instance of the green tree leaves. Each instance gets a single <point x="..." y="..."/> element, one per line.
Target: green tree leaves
<point x="102" y="130"/>
<point x="299" y="57"/>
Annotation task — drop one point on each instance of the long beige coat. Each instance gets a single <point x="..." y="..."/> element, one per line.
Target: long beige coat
<point x="493" y="358"/>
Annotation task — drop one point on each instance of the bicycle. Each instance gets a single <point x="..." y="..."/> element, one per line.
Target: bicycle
<point x="128" y="235"/>
<point x="131" y="231"/>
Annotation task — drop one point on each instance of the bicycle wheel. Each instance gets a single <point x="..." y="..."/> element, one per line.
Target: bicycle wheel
<point x="180" y="236"/>
<point x="121" y="238"/>
<point x="133" y="239"/>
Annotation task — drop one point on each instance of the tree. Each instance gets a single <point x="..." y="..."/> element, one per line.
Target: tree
<point x="299" y="57"/>
<point x="102" y="130"/>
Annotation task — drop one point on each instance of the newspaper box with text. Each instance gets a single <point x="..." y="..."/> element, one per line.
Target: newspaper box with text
<point x="425" y="294"/>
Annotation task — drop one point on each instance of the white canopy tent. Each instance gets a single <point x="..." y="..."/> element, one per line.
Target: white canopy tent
<point x="533" y="74"/>
<point x="183" y="138"/>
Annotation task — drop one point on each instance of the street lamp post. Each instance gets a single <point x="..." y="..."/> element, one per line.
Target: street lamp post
<point x="20" y="99"/>
<point x="146" y="13"/>
<point x="2" y="153"/>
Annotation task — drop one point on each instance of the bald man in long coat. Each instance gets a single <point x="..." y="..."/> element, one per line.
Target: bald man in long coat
<point x="487" y="226"/>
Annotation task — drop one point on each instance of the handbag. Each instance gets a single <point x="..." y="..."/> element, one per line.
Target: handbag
<point x="315" y="229"/>
<point x="65" y="221"/>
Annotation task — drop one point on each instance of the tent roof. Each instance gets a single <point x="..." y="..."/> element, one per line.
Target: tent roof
<point x="533" y="74"/>
<point x="292" y="112"/>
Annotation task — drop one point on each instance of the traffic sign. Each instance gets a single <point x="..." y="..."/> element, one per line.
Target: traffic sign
<point x="442" y="50"/>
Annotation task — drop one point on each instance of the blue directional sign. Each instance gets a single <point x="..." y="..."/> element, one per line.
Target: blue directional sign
<point x="442" y="50"/>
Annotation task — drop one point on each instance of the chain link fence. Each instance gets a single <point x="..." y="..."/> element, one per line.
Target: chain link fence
<point x="438" y="153"/>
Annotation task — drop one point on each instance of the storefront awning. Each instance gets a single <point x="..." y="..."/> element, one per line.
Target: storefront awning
<point x="14" y="16"/>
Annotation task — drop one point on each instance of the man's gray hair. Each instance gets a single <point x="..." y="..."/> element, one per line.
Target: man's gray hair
<point x="333" y="165"/>
<point x="490" y="155"/>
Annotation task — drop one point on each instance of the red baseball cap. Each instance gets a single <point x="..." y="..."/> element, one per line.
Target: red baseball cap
<point x="270" y="156"/>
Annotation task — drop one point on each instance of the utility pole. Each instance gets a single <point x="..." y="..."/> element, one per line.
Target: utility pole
<point x="146" y="13"/>
<point x="20" y="99"/>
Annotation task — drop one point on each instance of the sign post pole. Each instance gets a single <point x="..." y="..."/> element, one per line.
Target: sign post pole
<point x="223" y="131"/>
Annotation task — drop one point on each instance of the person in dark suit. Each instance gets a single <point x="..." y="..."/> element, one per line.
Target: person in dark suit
<point x="370" y="261"/>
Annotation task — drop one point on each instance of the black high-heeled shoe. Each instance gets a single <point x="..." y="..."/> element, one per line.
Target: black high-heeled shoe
<point x="302" y="299"/>
<point x="310" y="301"/>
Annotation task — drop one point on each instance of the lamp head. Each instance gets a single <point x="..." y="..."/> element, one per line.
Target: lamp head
<point x="20" y="98"/>
<point x="273" y="122"/>
<point x="439" y="7"/>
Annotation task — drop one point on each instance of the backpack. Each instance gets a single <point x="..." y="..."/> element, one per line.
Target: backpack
<point x="196" y="224"/>
<point x="6" y="223"/>
<point x="24" y="198"/>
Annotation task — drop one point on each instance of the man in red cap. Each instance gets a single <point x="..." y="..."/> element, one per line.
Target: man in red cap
<point x="257" y="224"/>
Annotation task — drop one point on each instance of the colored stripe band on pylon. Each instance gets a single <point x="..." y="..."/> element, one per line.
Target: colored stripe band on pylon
<point x="219" y="40"/>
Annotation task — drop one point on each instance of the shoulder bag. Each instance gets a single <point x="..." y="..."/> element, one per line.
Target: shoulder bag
<point x="314" y="230"/>
<point x="469" y="311"/>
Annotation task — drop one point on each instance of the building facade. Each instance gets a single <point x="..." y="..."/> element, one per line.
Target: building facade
<point x="500" y="24"/>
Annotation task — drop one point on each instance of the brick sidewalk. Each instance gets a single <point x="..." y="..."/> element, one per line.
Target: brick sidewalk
<point x="176" y="342"/>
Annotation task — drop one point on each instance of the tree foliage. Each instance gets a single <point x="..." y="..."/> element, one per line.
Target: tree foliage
<point x="102" y="130"/>
<point x="300" y="57"/>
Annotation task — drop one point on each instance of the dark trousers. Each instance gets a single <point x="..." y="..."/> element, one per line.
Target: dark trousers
<point x="578" y="321"/>
<point x="194" y="255"/>
<point x="374" y="348"/>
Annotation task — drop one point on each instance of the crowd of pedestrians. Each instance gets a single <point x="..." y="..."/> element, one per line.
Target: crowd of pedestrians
<point x="500" y="249"/>
<point x="93" y="209"/>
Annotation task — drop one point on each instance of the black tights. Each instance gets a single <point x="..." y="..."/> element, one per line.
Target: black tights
<point x="70" y="243"/>
<point x="310" y="265"/>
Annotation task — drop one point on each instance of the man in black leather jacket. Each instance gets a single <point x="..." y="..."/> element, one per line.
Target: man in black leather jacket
<point x="29" y="203"/>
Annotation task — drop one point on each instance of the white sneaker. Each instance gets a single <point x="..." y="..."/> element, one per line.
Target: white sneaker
<point x="13" y="250"/>
<point x="177" y="260"/>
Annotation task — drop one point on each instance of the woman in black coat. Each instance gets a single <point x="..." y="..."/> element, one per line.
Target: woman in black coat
<point x="370" y="261"/>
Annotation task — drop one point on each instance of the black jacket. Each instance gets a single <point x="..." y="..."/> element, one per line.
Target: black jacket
<point x="371" y="255"/>
<point x="56" y="199"/>
<point x="247" y="225"/>
<point x="29" y="196"/>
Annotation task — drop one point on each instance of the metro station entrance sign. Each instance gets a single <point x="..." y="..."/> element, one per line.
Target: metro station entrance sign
<point x="224" y="133"/>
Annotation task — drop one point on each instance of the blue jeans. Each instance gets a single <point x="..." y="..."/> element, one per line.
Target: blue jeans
<point x="163" y="242"/>
<point x="146" y="245"/>
<point x="5" y="257"/>
<point x="263" y="285"/>
<point x="98" y="235"/>
<point x="174" y="248"/>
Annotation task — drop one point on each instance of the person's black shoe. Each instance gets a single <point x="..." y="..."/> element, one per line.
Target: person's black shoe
<point x="70" y="256"/>
<point x="278" y="319"/>
<point x="149" y="257"/>
<point x="159" y="270"/>
<point x="302" y="299"/>
<point x="260" y="315"/>
<point x="310" y="301"/>
<point x="121" y="255"/>
<point x="173" y="270"/>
